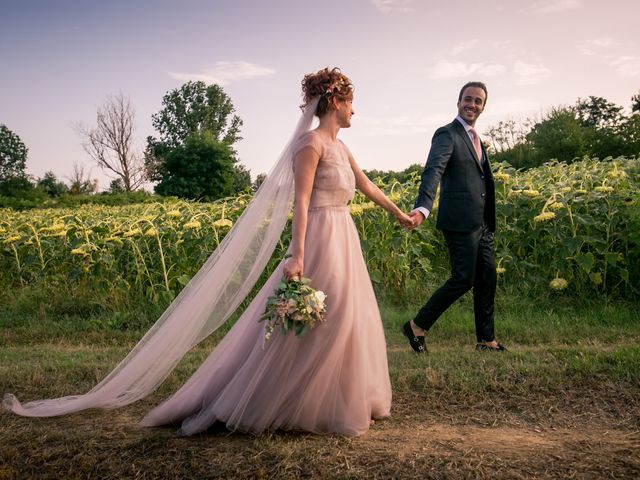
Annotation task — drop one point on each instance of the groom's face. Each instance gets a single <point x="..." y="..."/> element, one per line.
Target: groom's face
<point x="472" y="104"/>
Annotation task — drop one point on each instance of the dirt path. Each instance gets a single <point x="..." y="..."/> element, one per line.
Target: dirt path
<point x="503" y="452"/>
<point x="112" y="445"/>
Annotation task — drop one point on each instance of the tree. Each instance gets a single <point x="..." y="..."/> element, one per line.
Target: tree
<point x="260" y="178"/>
<point x="560" y="136"/>
<point x="635" y="103"/>
<point x="193" y="110"/>
<point x="13" y="154"/>
<point x="390" y="176"/>
<point x="51" y="185"/>
<point x="16" y="187"/>
<point x="110" y="142"/>
<point x="507" y="134"/>
<point x="241" y="179"/>
<point x="197" y="107"/>
<point x="80" y="181"/>
<point x="602" y="121"/>
<point x="598" y="113"/>
<point x="508" y="142"/>
<point x="116" y="186"/>
<point x="201" y="169"/>
<point x="630" y="133"/>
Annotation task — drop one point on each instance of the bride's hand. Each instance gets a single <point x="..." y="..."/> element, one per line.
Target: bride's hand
<point x="405" y="220"/>
<point x="293" y="267"/>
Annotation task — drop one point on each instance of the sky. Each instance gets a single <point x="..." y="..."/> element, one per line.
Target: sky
<point x="61" y="60"/>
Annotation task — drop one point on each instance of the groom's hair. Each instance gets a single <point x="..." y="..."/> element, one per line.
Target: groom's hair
<point x="474" y="84"/>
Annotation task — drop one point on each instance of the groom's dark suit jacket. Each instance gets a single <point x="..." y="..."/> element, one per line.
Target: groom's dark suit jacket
<point x="467" y="190"/>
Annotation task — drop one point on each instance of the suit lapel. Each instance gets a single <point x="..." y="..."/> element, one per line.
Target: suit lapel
<point x="465" y="138"/>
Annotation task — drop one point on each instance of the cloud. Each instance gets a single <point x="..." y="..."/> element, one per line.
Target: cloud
<point x="627" y="66"/>
<point x="530" y="74"/>
<point x="444" y="69"/>
<point x="509" y="106"/>
<point x="586" y="51"/>
<point x="224" y="73"/>
<point x="597" y="45"/>
<point x="402" y="125"/>
<point x="461" y="47"/>
<point x="603" y="42"/>
<point x="389" y="6"/>
<point x="543" y="7"/>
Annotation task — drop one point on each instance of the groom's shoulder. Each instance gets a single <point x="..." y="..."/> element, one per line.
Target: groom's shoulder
<point x="447" y="129"/>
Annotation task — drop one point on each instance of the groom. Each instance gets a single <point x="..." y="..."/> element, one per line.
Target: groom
<point x="467" y="217"/>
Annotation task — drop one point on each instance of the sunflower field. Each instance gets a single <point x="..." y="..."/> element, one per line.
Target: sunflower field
<point x="562" y="229"/>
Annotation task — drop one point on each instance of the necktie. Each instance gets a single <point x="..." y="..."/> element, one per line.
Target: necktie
<point x="476" y="144"/>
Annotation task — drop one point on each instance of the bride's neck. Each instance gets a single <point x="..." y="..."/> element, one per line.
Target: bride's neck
<point x="329" y="127"/>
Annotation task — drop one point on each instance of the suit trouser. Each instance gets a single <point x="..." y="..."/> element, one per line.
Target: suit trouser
<point x="472" y="266"/>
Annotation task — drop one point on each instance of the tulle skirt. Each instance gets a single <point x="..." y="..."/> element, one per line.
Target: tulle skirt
<point x="333" y="380"/>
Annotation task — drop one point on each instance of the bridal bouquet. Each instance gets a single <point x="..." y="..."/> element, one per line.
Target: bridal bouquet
<point x="294" y="305"/>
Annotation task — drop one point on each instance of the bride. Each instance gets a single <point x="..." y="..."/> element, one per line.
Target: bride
<point x="333" y="380"/>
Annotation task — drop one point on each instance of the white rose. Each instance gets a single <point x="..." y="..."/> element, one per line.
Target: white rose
<point x="320" y="296"/>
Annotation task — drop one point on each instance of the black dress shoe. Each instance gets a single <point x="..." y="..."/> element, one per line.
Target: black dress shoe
<point x="491" y="348"/>
<point x="417" y="343"/>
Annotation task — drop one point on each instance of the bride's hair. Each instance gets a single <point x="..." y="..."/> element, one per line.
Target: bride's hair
<point x="326" y="84"/>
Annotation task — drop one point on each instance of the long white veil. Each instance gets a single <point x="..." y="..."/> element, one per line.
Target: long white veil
<point x="204" y="304"/>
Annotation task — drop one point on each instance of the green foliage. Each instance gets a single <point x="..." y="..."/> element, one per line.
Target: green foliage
<point x="115" y="253"/>
<point x="241" y="179"/>
<point x="635" y="103"/>
<point x="116" y="186"/>
<point x="18" y="192"/>
<point x="559" y="136"/>
<point x="403" y="176"/>
<point x="400" y="262"/>
<point x="51" y="185"/>
<point x="15" y="186"/>
<point x="521" y="155"/>
<point x="598" y="113"/>
<point x="13" y="154"/>
<point x="105" y="198"/>
<point x="593" y="127"/>
<point x="195" y="111"/>
<point x="578" y="223"/>
<point x="201" y="169"/>
<point x="261" y="177"/>
<point x="630" y="133"/>
<point x="197" y="107"/>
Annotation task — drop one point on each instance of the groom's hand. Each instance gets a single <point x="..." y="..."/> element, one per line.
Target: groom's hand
<point x="417" y="218"/>
<point x="405" y="220"/>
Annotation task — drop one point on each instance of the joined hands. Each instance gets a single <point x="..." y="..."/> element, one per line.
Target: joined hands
<point x="410" y="220"/>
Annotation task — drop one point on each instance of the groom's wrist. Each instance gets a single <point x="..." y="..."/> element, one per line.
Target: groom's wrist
<point x="425" y="212"/>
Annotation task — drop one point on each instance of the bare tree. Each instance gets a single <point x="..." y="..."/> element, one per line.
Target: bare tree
<point x="508" y="133"/>
<point x="80" y="181"/>
<point x="110" y="142"/>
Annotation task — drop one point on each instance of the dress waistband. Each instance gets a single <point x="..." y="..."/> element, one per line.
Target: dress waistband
<point x="329" y="207"/>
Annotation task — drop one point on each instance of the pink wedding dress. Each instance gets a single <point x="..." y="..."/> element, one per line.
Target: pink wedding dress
<point x="333" y="380"/>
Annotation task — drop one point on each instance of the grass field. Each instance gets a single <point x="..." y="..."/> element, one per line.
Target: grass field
<point x="563" y="403"/>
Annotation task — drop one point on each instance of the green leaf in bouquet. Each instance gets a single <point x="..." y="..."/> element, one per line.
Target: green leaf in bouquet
<point x="301" y="330"/>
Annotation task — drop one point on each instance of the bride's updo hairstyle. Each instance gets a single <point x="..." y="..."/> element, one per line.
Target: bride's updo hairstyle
<point x="330" y="85"/>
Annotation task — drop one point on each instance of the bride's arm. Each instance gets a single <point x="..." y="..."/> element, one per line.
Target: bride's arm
<point x="306" y="162"/>
<point x="372" y="192"/>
